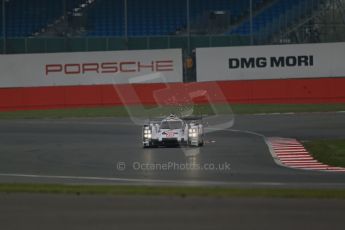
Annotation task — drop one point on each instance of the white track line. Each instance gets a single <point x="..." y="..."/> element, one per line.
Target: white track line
<point x="291" y="153"/>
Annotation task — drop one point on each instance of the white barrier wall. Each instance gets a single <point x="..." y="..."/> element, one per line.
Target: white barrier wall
<point x="271" y="62"/>
<point x="91" y="68"/>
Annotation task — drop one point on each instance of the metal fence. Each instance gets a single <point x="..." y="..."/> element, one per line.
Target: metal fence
<point x="79" y="44"/>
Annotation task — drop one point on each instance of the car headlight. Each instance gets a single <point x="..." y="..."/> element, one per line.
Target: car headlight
<point x="148" y="136"/>
<point x="147" y="131"/>
<point x="193" y="133"/>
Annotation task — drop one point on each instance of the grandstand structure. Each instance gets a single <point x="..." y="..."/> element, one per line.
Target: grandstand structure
<point x="77" y="25"/>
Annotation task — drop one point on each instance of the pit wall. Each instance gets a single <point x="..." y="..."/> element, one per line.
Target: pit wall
<point x="48" y="81"/>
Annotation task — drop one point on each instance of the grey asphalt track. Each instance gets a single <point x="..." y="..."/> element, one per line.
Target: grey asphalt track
<point x="55" y="212"/>
<point x="108" y="151"/>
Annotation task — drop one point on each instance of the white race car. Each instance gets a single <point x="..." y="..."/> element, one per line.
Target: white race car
<point x="173" y="130"/>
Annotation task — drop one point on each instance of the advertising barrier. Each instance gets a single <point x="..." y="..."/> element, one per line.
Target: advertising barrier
<point x="270" y="62"/>
<point x="245" y="75"/>
<point x="91" y="68"/>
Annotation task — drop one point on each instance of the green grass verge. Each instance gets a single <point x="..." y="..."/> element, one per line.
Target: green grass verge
<point x="172" y="191"/>
<point x="331" y="152"/>
<point x="286" y="108"/>
<point x="120" y="111"/>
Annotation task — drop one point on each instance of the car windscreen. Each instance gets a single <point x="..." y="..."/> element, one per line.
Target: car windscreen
<point x="171" y="125"/>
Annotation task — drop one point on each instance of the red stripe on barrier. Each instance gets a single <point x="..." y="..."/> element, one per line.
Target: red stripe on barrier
<point x="320" y="90"/>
